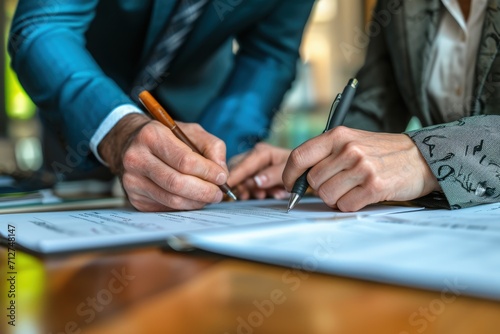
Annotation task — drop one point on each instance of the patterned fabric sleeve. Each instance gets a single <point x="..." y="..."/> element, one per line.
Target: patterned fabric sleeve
<point x="465" y="157"/>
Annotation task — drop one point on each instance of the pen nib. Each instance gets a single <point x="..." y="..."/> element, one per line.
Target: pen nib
<point x="294" y="199"/>
<point x="233" y="196"/>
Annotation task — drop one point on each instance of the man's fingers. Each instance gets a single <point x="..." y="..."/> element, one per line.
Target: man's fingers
<point x="184" y="185"/>
<point x="165" y="198"/>
<point x="147" y="204"/>
<point x="169" y="181"/>
<point x="160" y="172"/>
<point x="174" y="153"/>
<point x="210" y="146"/>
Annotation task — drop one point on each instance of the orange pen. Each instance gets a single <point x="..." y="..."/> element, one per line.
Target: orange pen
<point x="161" y="115"/>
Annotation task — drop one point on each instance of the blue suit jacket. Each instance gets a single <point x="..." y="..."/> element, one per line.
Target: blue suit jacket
<point x="77" y="60"/>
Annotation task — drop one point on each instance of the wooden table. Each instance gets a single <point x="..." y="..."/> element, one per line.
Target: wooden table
<point x="150" y="290"/>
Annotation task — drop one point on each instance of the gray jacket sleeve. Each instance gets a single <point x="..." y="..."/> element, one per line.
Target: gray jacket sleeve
<point x="465" y="157"/>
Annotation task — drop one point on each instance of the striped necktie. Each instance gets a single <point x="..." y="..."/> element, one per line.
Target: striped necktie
<point x="176" y="32"/>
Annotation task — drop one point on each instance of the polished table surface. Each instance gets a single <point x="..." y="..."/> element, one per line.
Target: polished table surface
<point x="153" y="290"/>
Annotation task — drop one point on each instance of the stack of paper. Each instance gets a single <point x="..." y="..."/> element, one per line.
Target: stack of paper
<point x="454" y="252"/>
<point x="51" y="232"/>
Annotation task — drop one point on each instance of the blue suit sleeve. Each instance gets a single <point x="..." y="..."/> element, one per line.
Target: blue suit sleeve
<point x="264" y="69"/>
<point x="47" y="46"/>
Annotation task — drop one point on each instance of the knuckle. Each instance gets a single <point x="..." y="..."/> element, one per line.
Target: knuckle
<point x="339" y="132"/>
<point x="311" y="179"/>
<point x="377" y="184"/>
<point x="147" y="134"/>
<point x="143" y="207"/>
<point x="176" y="202"/>
<point x="373" y="190"/>
<point x="137" y="203"/>
<point x="375" y="187"/>
<point x="353" y="151"/>
<point x="173" y="183"/>
<point x="346" y="206"/>
<point x="368" y="168"/>
<point x="130" y="160"/>
<point x="132" y="197"/>
<point x="186" y="162"/>
<point x="197" y="126"/>
<point x="327" y="197"/>
<point x="127" y="181"/>
<point x="218" y="144"/>
<point x="206" y="195"/>
<point x="297" y="158"/>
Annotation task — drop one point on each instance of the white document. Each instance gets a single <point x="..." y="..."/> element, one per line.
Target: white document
<point x="50" y="232"/>
<point x="479" y="218"/>
<point x="453" y="252"/>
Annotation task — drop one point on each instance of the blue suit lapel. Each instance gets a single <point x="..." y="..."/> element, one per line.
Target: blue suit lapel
<point x="162" y="9"/>
<point x="422" y="18"/>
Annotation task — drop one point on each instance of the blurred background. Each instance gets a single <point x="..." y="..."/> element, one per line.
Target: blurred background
<point x="332" y="51"/>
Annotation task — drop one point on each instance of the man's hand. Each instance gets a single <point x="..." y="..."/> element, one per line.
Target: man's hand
<point x="161" y="173"/>
<point x="354" y="168"/>
<point x="257" y="174"/>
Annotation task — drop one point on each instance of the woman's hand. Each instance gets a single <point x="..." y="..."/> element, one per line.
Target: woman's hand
<point x="258" y="173"/>
<point x="354" y="168"/>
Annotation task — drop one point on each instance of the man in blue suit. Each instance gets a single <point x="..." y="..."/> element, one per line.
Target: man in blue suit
<point x="83" y="63"/>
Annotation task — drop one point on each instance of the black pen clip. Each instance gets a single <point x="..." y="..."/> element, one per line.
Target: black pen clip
<point x="332" y="111"/>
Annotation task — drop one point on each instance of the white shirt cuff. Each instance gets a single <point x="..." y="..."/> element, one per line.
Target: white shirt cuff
<point x="109" y="122"/>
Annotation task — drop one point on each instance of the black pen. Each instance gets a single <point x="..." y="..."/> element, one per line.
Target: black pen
<point x="338" y="111"/>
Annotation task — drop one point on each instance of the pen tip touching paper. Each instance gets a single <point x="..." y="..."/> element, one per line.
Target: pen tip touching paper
<point x="232" y="195"/>
<point x="228" y="192"/>
<point x="294" y="199"/>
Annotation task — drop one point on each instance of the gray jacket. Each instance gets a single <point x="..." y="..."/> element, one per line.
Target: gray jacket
<point x="464" y="155"/>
